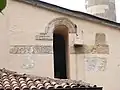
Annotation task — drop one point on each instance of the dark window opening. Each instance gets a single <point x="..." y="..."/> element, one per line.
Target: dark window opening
<point x="59" y="48"/>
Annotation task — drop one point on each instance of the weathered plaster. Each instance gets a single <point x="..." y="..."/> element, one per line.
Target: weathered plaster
<point x="95" y="64"/>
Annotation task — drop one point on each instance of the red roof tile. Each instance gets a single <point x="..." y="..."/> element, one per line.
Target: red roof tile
<point x="13" y="81"/>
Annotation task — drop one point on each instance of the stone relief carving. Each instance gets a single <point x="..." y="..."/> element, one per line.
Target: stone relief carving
<point x="26" y="49"/>
<point x="95" y="64"/>
<point x="48" y="49"/>
<point x="60" y="21"/>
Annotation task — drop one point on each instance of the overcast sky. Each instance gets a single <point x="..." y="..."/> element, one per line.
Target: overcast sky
<point x="79" y="5"/>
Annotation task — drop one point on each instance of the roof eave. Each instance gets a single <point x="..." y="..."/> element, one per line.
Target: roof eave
<point x="77" y="14"/>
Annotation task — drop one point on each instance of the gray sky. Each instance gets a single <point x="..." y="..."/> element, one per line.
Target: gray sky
<point x="78" y="5"/>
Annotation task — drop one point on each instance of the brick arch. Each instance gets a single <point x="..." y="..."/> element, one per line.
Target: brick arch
<point x="61" y="21"/>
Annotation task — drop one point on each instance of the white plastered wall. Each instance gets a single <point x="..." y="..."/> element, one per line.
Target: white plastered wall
<point x="25" y="21"/>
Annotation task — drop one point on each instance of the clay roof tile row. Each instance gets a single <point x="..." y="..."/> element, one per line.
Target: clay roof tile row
<point x="12" y="81"/>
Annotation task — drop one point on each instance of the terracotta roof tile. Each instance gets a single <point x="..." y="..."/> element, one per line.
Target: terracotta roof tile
<point x="13" y="81"/>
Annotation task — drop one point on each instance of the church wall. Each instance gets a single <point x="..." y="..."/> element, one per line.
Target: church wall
<point x="96" y="62"/>
<point x="4" y="47"/>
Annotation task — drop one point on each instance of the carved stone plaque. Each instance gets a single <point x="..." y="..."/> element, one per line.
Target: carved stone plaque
<point x="43" y="36"/>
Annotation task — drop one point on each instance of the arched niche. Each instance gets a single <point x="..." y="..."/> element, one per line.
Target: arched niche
<point x="60" y="21"/>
